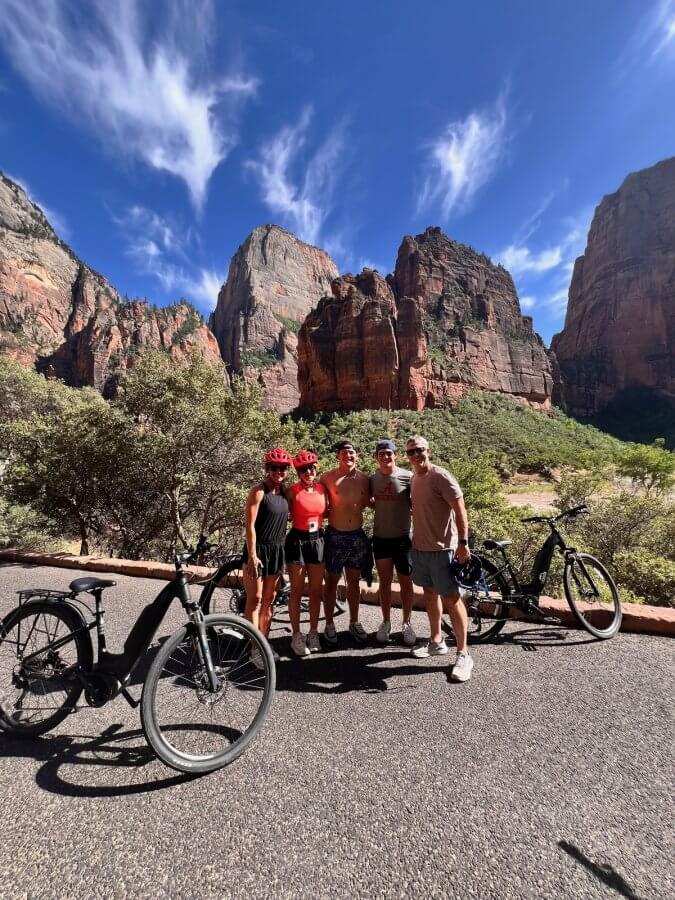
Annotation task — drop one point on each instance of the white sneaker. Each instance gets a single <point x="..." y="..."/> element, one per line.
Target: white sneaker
<point x="431" y="649"/>
<point x="461" y="671"/>
<point x="409" y="636"/>
<point x="298" y="645"/>
<point x="330" y="634"/>
<point x="256" y="659"/>
<point x="383" y="633"/>
<point x="358" y="632"/>
<point x="313" y="642"/>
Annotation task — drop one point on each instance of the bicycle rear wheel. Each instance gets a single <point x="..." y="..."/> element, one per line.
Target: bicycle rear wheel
<point x="42" y="645"/>
<point x="192" y="728"/>
<point x="486" y="613"/>
<point x="592" y="595"/>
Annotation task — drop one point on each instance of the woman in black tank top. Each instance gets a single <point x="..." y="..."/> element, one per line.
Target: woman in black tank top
<point x="266" y="519"/>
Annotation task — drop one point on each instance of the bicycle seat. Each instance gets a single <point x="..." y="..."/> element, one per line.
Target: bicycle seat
<point x="496" y="545"/>
<point x="90" y="584"/>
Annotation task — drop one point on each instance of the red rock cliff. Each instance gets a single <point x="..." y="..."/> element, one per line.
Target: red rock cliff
<point x="619" y="328"/>
<point x="59" y="315"/>
<point x="448" y="321"/>
<point x="273" y="282"/>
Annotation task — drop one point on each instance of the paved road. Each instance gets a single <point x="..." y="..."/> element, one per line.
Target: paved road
<point x="546" y="776"/>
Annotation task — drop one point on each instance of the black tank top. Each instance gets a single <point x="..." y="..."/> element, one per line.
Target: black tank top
<point x="270" y="523"/>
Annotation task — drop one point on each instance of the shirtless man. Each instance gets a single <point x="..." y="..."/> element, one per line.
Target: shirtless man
<point x="347" y="545"/>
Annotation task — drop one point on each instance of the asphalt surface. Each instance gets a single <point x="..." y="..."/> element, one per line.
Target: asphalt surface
<point x="548" y="775"/>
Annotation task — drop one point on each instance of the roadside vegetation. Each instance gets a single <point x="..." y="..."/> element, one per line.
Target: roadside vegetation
<point x="176" y="451"/>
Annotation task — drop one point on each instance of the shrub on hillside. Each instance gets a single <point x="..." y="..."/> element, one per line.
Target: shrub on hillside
<point x="647" y="576"/>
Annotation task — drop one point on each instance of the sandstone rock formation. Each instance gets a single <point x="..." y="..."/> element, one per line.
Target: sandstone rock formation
<point x="59" y="315"/>
<point x="619" y="332"/>
<point x="446" y="321"/>
<point x="273" y="282"/>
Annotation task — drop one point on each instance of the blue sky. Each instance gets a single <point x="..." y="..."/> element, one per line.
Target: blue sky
<point x="157" y="135"/>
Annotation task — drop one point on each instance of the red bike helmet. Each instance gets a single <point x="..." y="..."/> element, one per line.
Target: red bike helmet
<point x="278" y="456"/>
<point x="304" y="458"/>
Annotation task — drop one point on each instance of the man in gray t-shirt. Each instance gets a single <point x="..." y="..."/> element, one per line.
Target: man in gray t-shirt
<point x="390" y="493"/>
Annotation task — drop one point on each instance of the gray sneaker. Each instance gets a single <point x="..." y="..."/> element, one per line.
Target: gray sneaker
<point x="409" y="636"/>
<point x="433" y="648"/>
<point x="330" y="634"/>
<point x="461" y="671"/>
<point x="358" y="632"/>
<point x="383" y="633"/>
<point x="313" y="642"/>
<point x="298" y="645"/>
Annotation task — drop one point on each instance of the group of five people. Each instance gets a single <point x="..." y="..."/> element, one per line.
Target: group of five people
<point x="420" y="528"/>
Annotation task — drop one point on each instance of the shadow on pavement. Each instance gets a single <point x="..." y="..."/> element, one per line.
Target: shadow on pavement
<point x="605" y="873"/>
<point x="532" y="637"/>
<point x="336" y="673"/>
<point x="113" y="749"/>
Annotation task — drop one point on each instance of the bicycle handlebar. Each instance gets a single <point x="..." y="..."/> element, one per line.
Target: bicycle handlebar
<point x="569" y="513"/>
<point x="192" y="554"/>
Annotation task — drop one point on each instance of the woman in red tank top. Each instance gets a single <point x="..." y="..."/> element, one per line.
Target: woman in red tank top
<point x="308" y="506"/>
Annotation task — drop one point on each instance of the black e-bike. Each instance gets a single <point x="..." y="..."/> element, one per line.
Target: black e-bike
<point x="589" y="588"/>
<point x="203" y="699"/>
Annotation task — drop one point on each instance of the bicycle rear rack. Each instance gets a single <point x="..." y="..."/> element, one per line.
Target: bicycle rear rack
<point x="41" y="594"/>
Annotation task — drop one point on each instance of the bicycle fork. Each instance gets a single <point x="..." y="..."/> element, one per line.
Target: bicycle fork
<point x="204" y="650"/>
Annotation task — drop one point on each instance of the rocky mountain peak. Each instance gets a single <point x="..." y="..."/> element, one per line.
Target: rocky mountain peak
<point x="274" y="280"/>
<point x="445" y="321"/>
<point x="60" y="316"/>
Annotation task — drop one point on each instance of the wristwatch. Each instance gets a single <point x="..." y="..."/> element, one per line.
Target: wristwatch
<point x="463" y="542"/>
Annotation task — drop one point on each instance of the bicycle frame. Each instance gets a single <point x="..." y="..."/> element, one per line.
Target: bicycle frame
<point x="540" y="568"/>
<point x="112" y="671"/>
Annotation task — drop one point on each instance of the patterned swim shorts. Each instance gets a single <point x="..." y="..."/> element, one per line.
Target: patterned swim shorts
<point x="346" y="550"/>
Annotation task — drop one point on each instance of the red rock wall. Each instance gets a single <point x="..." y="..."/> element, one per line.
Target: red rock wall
<point x="62" y="317"/>
<point x="446" y="321"/>
<point x="273" y="277"/>
<point x="619" y="328"/>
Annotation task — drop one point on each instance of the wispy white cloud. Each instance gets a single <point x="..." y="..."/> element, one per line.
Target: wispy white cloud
<point x="154" y="245"/>
<point x="144" y="95"/>
<point x="55" y="219"/>
<point x="464" y="158"/>
<point x="550" y="267"/>
<point x="521" y="259"/>
<point x="652" y="41"/>
<point x="300" y="191"/>
<point x="369" y="264"/>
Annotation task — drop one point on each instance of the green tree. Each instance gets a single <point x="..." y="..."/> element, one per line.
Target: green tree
<point x="203" y="441"/>
<point x="650" y="467"/>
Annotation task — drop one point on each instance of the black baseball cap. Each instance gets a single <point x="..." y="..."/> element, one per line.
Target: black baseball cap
<point x="344" y="445"/>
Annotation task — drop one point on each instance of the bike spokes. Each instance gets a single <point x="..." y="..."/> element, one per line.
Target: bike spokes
<point x="194" y="721"/>
<point x="36" y="680"/>
<point x="592" y="595"/>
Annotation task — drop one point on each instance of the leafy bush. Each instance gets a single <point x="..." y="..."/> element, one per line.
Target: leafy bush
<point x="258" y="359"/>
<point x="648" y="577"/>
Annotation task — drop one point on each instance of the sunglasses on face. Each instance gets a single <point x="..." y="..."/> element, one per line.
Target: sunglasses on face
<point x="310" y="468"/>
<point x="416" y="451"/>
<point x="274" y="468"/>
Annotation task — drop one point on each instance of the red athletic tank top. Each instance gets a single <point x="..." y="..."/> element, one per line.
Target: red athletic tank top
<point x="308" y="507"/>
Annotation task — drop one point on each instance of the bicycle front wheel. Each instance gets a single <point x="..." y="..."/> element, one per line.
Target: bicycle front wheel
<point x="191" y="727"/>
<point x="592" y="595"/>
<point x="42" y="647"/>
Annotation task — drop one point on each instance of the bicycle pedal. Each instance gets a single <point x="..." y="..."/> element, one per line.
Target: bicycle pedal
<point x="551" y="620"/>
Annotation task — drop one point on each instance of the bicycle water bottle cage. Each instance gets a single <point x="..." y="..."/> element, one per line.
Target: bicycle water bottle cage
<point x="90" y="584"/>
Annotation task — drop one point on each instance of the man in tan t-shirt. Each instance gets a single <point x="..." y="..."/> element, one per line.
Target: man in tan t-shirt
<point x="440" y="535"/>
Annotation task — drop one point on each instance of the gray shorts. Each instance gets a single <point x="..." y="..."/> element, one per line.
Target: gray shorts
<point x="431" y="568"/>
